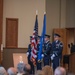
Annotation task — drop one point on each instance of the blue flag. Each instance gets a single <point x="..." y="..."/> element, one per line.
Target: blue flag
<point x="42" y="38"/>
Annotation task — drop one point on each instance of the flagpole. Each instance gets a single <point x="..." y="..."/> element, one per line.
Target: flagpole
<point x="36" y="12"/>
<point x="44" y="12"/>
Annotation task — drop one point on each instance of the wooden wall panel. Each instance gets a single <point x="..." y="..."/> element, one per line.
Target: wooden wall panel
<point x="74" y="35"/>
<point x="70" y="38"/>
<point x="62" y="33"/>
<point x="1" y="20"/>
<point x="67" y="37"/>
<point x="8" y="55"/>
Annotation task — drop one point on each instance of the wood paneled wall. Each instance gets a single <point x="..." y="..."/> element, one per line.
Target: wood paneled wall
<point x="67" y="37"/>
<point x="8" y="56"/>
<point x="62" y="32"/>
<point x="1" y="22"/>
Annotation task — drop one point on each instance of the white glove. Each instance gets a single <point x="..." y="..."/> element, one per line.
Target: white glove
<point x="52" y="57"/>
<point x="27" y="54"/>
<point x="42" y="55"/>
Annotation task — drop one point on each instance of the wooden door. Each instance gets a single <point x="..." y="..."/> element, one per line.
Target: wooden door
<point x="11" y="33"/>
<point x="62" y="33"/>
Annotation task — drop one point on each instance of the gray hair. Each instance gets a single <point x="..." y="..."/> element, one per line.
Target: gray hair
<point x="60" y="71"/>
<point x="2" y="71"/>
<point x="12" y="71"/>
<point x="20" y="67"/>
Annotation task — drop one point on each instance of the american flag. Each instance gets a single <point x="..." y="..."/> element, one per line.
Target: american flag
<point x="34" y="42"/>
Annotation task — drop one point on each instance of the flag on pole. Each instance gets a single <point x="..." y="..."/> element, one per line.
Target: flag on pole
<point x="34" y="42"/>
<point x="42" y="38"/>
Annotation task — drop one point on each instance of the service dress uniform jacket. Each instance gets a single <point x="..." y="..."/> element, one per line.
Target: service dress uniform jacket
<point x="46" y="51"/>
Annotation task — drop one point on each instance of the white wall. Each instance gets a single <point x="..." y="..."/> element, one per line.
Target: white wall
<point x="56" y="15"/>
<point x="25" y="11"/>
<point x="60" y="14"/>
<point x="63" y="14"/>
<point x="70" y="14"/>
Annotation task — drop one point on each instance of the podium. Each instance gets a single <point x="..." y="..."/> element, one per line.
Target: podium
<point x="72" y="63"/>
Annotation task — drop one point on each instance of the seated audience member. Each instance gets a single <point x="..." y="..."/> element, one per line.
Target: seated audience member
<point x="3" y="71"/>
<point x="27" y="69"/>
<point x="60" y="71"/>
<point x="12" y="71"/>
<point x="47" y="70"/>
<point x="39" y="72"/>
<point x="20" y="68"/>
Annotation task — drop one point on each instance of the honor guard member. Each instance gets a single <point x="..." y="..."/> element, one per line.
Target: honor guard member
<point x="39" y="63"/>
<point x="29" y="57"/>
<point x="57" y="48"/>
<point x="47" y="50"/>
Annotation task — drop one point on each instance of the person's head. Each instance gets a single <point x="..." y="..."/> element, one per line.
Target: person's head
<point x="47" y="37"/>
<point x="27" y="69"/>
<point x="38" y="39"/>
<point x="20" y="67"/>
<point x="12" y="71"/>
<point x="60" y="71"/>
<point x="3" y="71"/>
<point x="40" y="72"/>
<point x="56" y="37"/>
<point x="47" y="70"/>
<point x="71" y="44"/>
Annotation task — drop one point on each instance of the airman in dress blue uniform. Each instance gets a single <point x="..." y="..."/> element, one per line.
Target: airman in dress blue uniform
<point x="47" y="49"/>
<point x="57" y="48"/>
<point x="29" y="57"/>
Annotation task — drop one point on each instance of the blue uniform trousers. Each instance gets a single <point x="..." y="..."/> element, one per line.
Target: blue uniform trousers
<point x="39" y="67"/>
<point x="32" y="66"/>
<point x="46" y="60"/>
<point x="56" y="62"/>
